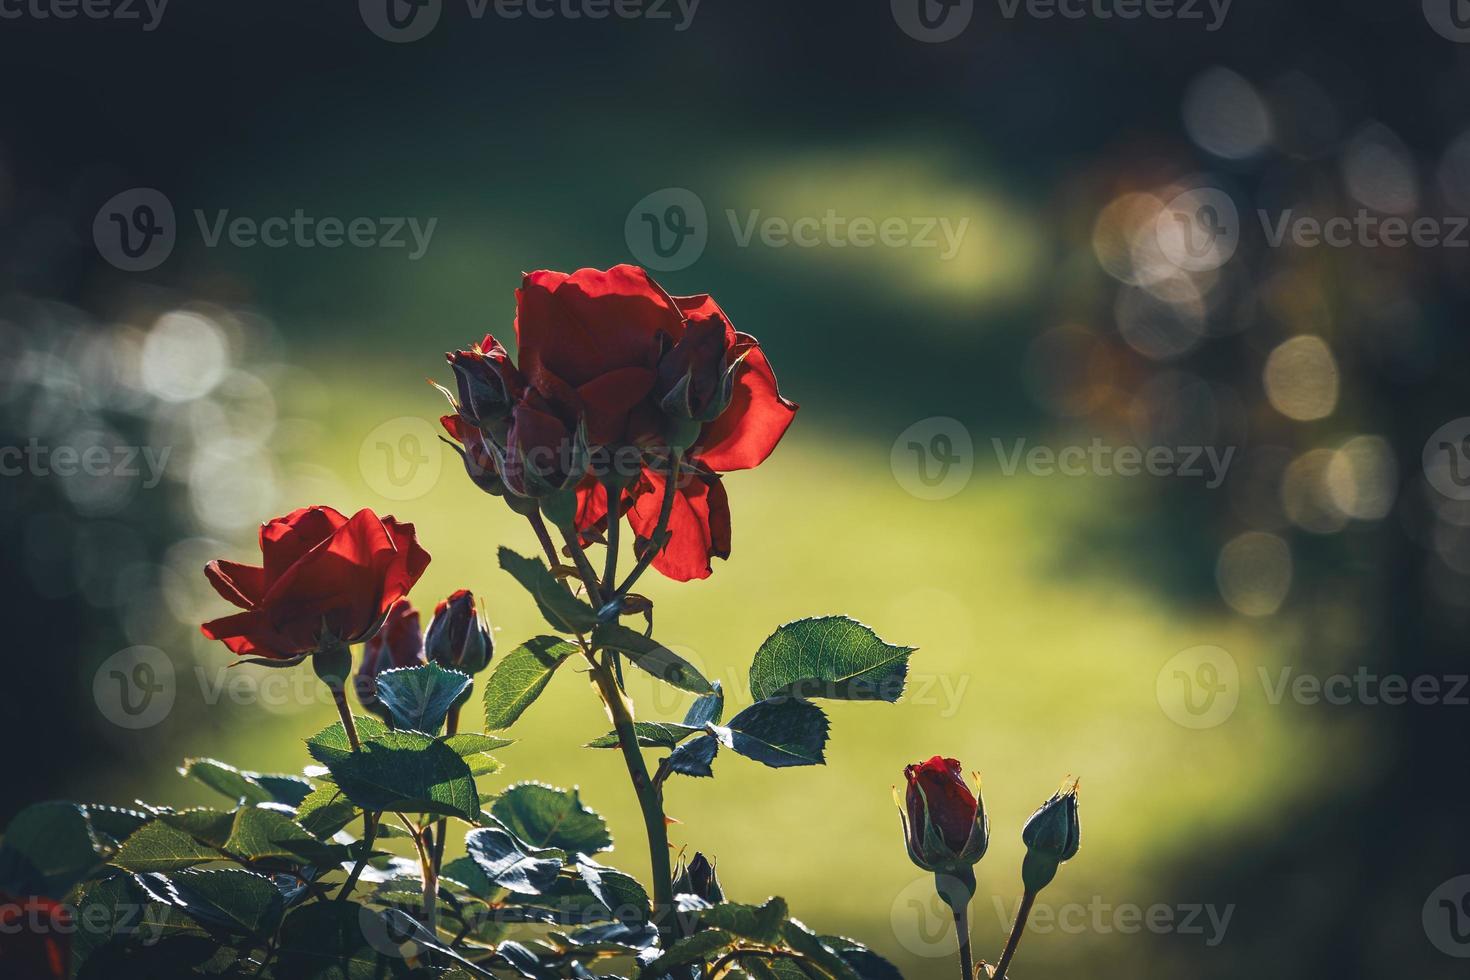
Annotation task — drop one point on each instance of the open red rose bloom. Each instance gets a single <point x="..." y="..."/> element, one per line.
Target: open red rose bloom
<point x="325" y="576"/>
<point x="611" y="367"/>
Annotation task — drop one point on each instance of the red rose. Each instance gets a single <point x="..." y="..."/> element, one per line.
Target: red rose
<point x="399" y="643"/>
<point x="34" y="943"/>
<point x="740" y="437"/>
<point x="324" y="576"/>
<point x="945" y="827"/>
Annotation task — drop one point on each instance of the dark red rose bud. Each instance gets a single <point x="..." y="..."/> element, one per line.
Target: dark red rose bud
<point x="399" y="643"/>
<point x="546" y="448"/>
<point x="945" y="826"/>
<point x="695" y="377"/>
<point x="457" y="636"/>
<point x="699" y="878"/>
<point x="489" y="385"/>
<point x="35" y="938"/>
<point x="474" y="449"/>
<point x="326" y="580"/>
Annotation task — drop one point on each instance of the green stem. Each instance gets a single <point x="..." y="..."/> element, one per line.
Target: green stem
<point x="584" y="567"/>
<point x="369" y="819"/>
<point x="441" y="829"/>
<point x="1027" y="900"/>
<point x="656" y="540"/>
<point x="650" y="799"/>
<point x="544" y="536"/>
<point x="962" y="931"/>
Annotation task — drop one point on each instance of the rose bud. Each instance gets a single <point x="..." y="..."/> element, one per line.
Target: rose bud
<point x="398" y="644"/>
<point x="944" y="826"/>
<point x="696" y="378"/>
<point x="474" y="450"/>
<point x="1051" y="836"/>
<point x="457" y="637"/>
<point x="546" y="448"/>
<point x="698" y="878"/>
<point x="489" y="385"/>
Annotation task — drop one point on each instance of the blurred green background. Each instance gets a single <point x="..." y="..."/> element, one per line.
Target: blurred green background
<point x="1046" y="609"/>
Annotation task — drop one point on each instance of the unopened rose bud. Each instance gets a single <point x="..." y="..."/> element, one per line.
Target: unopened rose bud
<point x="398" y="643"/>
<point x="457" y="637"/>
<point x="944" y="824"/>
<point x="698" y="878"/>
<point x="1051" y="836"/>
<point x="488" y="386"/>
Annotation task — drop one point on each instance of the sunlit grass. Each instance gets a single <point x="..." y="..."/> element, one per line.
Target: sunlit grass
<point x="1024" y="673"/>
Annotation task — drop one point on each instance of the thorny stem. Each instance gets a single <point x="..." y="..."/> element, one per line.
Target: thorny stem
<point x="584" y="567"/>
<point x="544" y="536"/>
<point x="1027" y="900"/>
<point x="369" y="819"/>
<point x="614" y="491"/>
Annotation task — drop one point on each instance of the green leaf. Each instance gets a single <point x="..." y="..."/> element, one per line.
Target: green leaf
<point x="474" y="749"/>
<point x="829" y="657"/>
<point x="761" y="923"/>
<point x="249" y="787"/>
<point x="331" y="941"/>
<point x="650" y="655"/>
<point x="654" y="734"/>
<point x="262" y="834"/>
<point x="236" y="901"/>
<point x="868" y="964"/>
<point x="418" y="698"/>
<point x="113" y="824"/>
<point x="520" y="677"/>
<point x="564" y="611"/>
<point x="331" y="743"/>
<point x="695" y="758"/>
<point x="465" y="871"/>
<point x="408" y="771"/>
<point x="780" y="732"/>
<point x="121" y="930"/>
<point x="802" y="940"/>
<point x="697" y="948"/>
<point x="204" y="824"/>
<point x="325" y="812"/>
<point x="48" y="848"/>
<point x="159" y="847"/>
<point x="620" y="892"/>
<point x="545" y="816"/>
<point x="508" y="862"/>
<point x="708" y="709"/>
